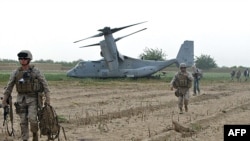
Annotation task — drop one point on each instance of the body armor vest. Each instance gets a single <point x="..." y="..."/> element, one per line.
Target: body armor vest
<point x="182" y="81"/>
<point x="27" y="82"/>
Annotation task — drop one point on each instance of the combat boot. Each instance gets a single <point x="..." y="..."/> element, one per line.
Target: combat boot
<point x="35" y="136"/>
<point x="181" y="111"/>
<point x="186" y="108"/>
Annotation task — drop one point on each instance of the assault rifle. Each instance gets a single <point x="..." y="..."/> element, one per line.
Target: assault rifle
<point x="8" y="111"/>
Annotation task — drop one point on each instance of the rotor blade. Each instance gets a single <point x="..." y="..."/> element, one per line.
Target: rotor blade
<point x="90" y="45"/>
<point x="111" y="30"/>
<point x="117" y="39"/>
<point x="97" y="35"/>
<point x="117" y="29"/>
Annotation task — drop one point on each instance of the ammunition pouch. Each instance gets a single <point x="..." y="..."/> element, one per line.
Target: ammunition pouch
<point x="29" y="87"/>
<point x="20" y="109"/>
<point x="37" y="86"/>
<point x="29" y="94"/>
<point x="24" y="87"/>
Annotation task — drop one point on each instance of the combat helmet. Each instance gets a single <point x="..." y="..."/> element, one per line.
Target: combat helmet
<point x="183" y="65"/>
<point x="25" y="54"/>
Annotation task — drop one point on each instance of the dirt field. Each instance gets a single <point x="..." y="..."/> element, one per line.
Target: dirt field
<point x="145" y="110"/>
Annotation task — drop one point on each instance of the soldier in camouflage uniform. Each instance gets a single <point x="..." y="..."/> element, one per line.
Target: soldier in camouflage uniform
<point x="182" y="82"/>
<point x="29" y="82"/>
<point x="246" y="74"/>
<point x="232" y="75"/>
<point x="238" y="75"/>
<point x="197" y="76"/>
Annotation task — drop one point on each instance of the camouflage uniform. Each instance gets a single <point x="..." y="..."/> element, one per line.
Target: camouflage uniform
<point x="182" y="81"/>
<point x="246" y="74"/>
<point x="197" y="76"/>
<point x="232" y="75"/>
<point x="238" y="75"/>
<point x="28" y="83"/>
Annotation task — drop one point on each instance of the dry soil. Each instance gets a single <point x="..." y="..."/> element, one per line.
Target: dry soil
<point x="144" y="111"/>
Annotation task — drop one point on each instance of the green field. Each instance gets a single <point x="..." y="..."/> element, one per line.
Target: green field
<point x="61" y="76"/>
<point x="57" y="72"/>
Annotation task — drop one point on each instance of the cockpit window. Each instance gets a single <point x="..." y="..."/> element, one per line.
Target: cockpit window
<point x="81" y="64"/>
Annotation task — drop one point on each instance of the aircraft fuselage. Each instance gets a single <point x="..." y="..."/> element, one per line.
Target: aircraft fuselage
<point x="129" y="67"/>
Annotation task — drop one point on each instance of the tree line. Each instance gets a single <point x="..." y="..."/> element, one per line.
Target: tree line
<point x="49" y="61"/>
<point x="203" y="61"/>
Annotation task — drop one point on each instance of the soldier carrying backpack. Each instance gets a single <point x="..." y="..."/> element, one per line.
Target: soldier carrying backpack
<point x="29" y="81"/>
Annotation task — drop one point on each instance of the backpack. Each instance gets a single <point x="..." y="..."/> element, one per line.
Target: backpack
<point x="48" y="123"/>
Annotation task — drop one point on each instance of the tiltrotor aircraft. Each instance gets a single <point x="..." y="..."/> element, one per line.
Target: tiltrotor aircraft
<point x="114" y="64"/>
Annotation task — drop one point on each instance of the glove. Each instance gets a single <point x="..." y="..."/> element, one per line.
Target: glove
<point x="47" y="100"/>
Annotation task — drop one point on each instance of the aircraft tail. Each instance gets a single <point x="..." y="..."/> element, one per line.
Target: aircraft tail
<point x="186" y="53"/>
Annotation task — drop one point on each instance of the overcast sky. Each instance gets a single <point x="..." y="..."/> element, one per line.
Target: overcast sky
<point x="48" y="28"/>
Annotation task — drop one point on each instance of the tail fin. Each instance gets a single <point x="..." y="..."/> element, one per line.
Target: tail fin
<point x="186" y="53"/>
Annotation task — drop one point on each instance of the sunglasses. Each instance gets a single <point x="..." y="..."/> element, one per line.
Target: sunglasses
<point x="23" y="58"/>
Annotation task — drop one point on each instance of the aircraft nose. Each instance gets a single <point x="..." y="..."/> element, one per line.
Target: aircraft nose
<point x="71" y="73"/>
